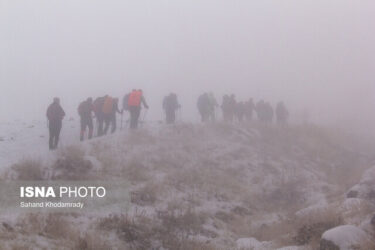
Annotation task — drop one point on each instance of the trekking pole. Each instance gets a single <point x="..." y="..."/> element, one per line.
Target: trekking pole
<point x="144" y="117"/>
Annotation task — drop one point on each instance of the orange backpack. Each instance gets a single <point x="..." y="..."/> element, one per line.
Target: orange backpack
<point x="135" y="98"/>
<point x="108" y="105"/>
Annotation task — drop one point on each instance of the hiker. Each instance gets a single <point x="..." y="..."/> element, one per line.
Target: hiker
<point x="249" y="109"/>
<point x="85" y="110"/>
<point x="212" y="107"/>
<point x="107" y="110"/>
<point x="232" y="106"/>
<point x="225" y="108"/>
<point x="203" y="105"/>
<point x="240" y="111"/>
<point x="282" y="113"/>
<point x="268" y="113"/>
<point x="134" y="107"/>
<point x="170" y="106"/>
<point x="260" y="110"/>
<point x="98" y="111"/>
<point x="55" y="115"/>
<point x="125" y="101"/>
<point x="113" y="120"/>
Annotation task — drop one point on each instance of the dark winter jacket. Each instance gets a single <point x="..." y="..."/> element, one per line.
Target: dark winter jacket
<point x="55" y="112"/>
<point x="85" y="109"/>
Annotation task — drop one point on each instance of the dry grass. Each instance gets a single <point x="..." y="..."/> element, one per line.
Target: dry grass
<point x="93" y="241"/>
<point x="135" y="171"/>
<point x="71" y="165"/>
<point x="29" y="170"/>
<point x="50" y="225"/>
<point x="148" y="194"/>
<point x="311" y="226"/>
<point x="135" y="231"/>
<point x="172" y="229"/>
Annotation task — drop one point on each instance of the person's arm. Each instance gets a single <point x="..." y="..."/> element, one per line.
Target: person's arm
<point x="48" y="112"/>
<point x="62" y="112"/>
<point x="117" y="109"/>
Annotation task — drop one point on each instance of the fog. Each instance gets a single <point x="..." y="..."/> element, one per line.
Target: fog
<point x="315" y="55"/>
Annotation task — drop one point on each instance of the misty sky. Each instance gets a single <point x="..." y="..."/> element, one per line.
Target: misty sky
<point x="314" y="54"/>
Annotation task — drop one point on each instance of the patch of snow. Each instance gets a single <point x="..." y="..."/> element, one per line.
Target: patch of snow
<point x="253" y="244"/>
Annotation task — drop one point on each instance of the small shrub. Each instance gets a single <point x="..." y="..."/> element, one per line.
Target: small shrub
<point x="136" y="234"/>
<point x="146" y="195"/>
<point x="30" y="170"/>
<point x="135" y="171"/>
<point x="71" y="165"/>
<point x="311" y="228"/>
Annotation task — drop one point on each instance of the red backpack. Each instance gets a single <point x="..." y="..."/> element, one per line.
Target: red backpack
<point x="135" y="99"/>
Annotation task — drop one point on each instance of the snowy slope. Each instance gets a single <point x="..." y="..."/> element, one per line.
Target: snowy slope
<point x="204" y="186"/>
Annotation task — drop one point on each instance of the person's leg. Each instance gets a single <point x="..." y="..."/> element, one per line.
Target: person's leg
<point x="51" y="135"/>
<point x="173" y="116"/>
<point x="137" y="112"/>
<point x="57" y="134"/>
<point x="169" y="116"/>
<point x="83" y="127"/>
<point x="100" y="120"/>
<point x="91" y="127"/>
<point x="132" y="117"/>
<point x="107" y="121"/>
<point x="114" y="123"/>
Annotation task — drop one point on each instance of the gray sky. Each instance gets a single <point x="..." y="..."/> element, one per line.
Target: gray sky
<point x="314" y="54"/>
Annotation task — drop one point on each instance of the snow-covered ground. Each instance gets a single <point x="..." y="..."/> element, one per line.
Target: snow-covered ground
<point x="29" y="139"/>
<point x="200" y="186"/>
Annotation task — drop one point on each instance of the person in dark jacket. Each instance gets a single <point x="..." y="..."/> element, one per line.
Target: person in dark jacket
<point x="268" y="113"/>
<point x="260" y="109"/>
<point x="240" y="111"/>
<point x="203" y="105"/>
<point x="98" y="111"/>
<point x="55" y="115"/>
<point x="170" y="106"/>
<point x="85" y="110"/>
<point x="232" y="106"/>
<point x="225" y="108"/>
<point x="112" y="117"/>
<point x="282" y="113"/>
<point x="249" y="109"/>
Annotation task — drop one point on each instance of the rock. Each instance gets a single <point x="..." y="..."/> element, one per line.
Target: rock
<point x="365" y="189"/>
<point x="352" y="194"/>
<point x="345" y="237"/>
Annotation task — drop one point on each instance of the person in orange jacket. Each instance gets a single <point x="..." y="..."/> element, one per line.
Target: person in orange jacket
<point x="135" y="100"/>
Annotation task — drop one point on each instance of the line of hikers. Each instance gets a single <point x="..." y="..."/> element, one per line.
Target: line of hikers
<point x="106" y="108"/>
<point x="240" y="111"/>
